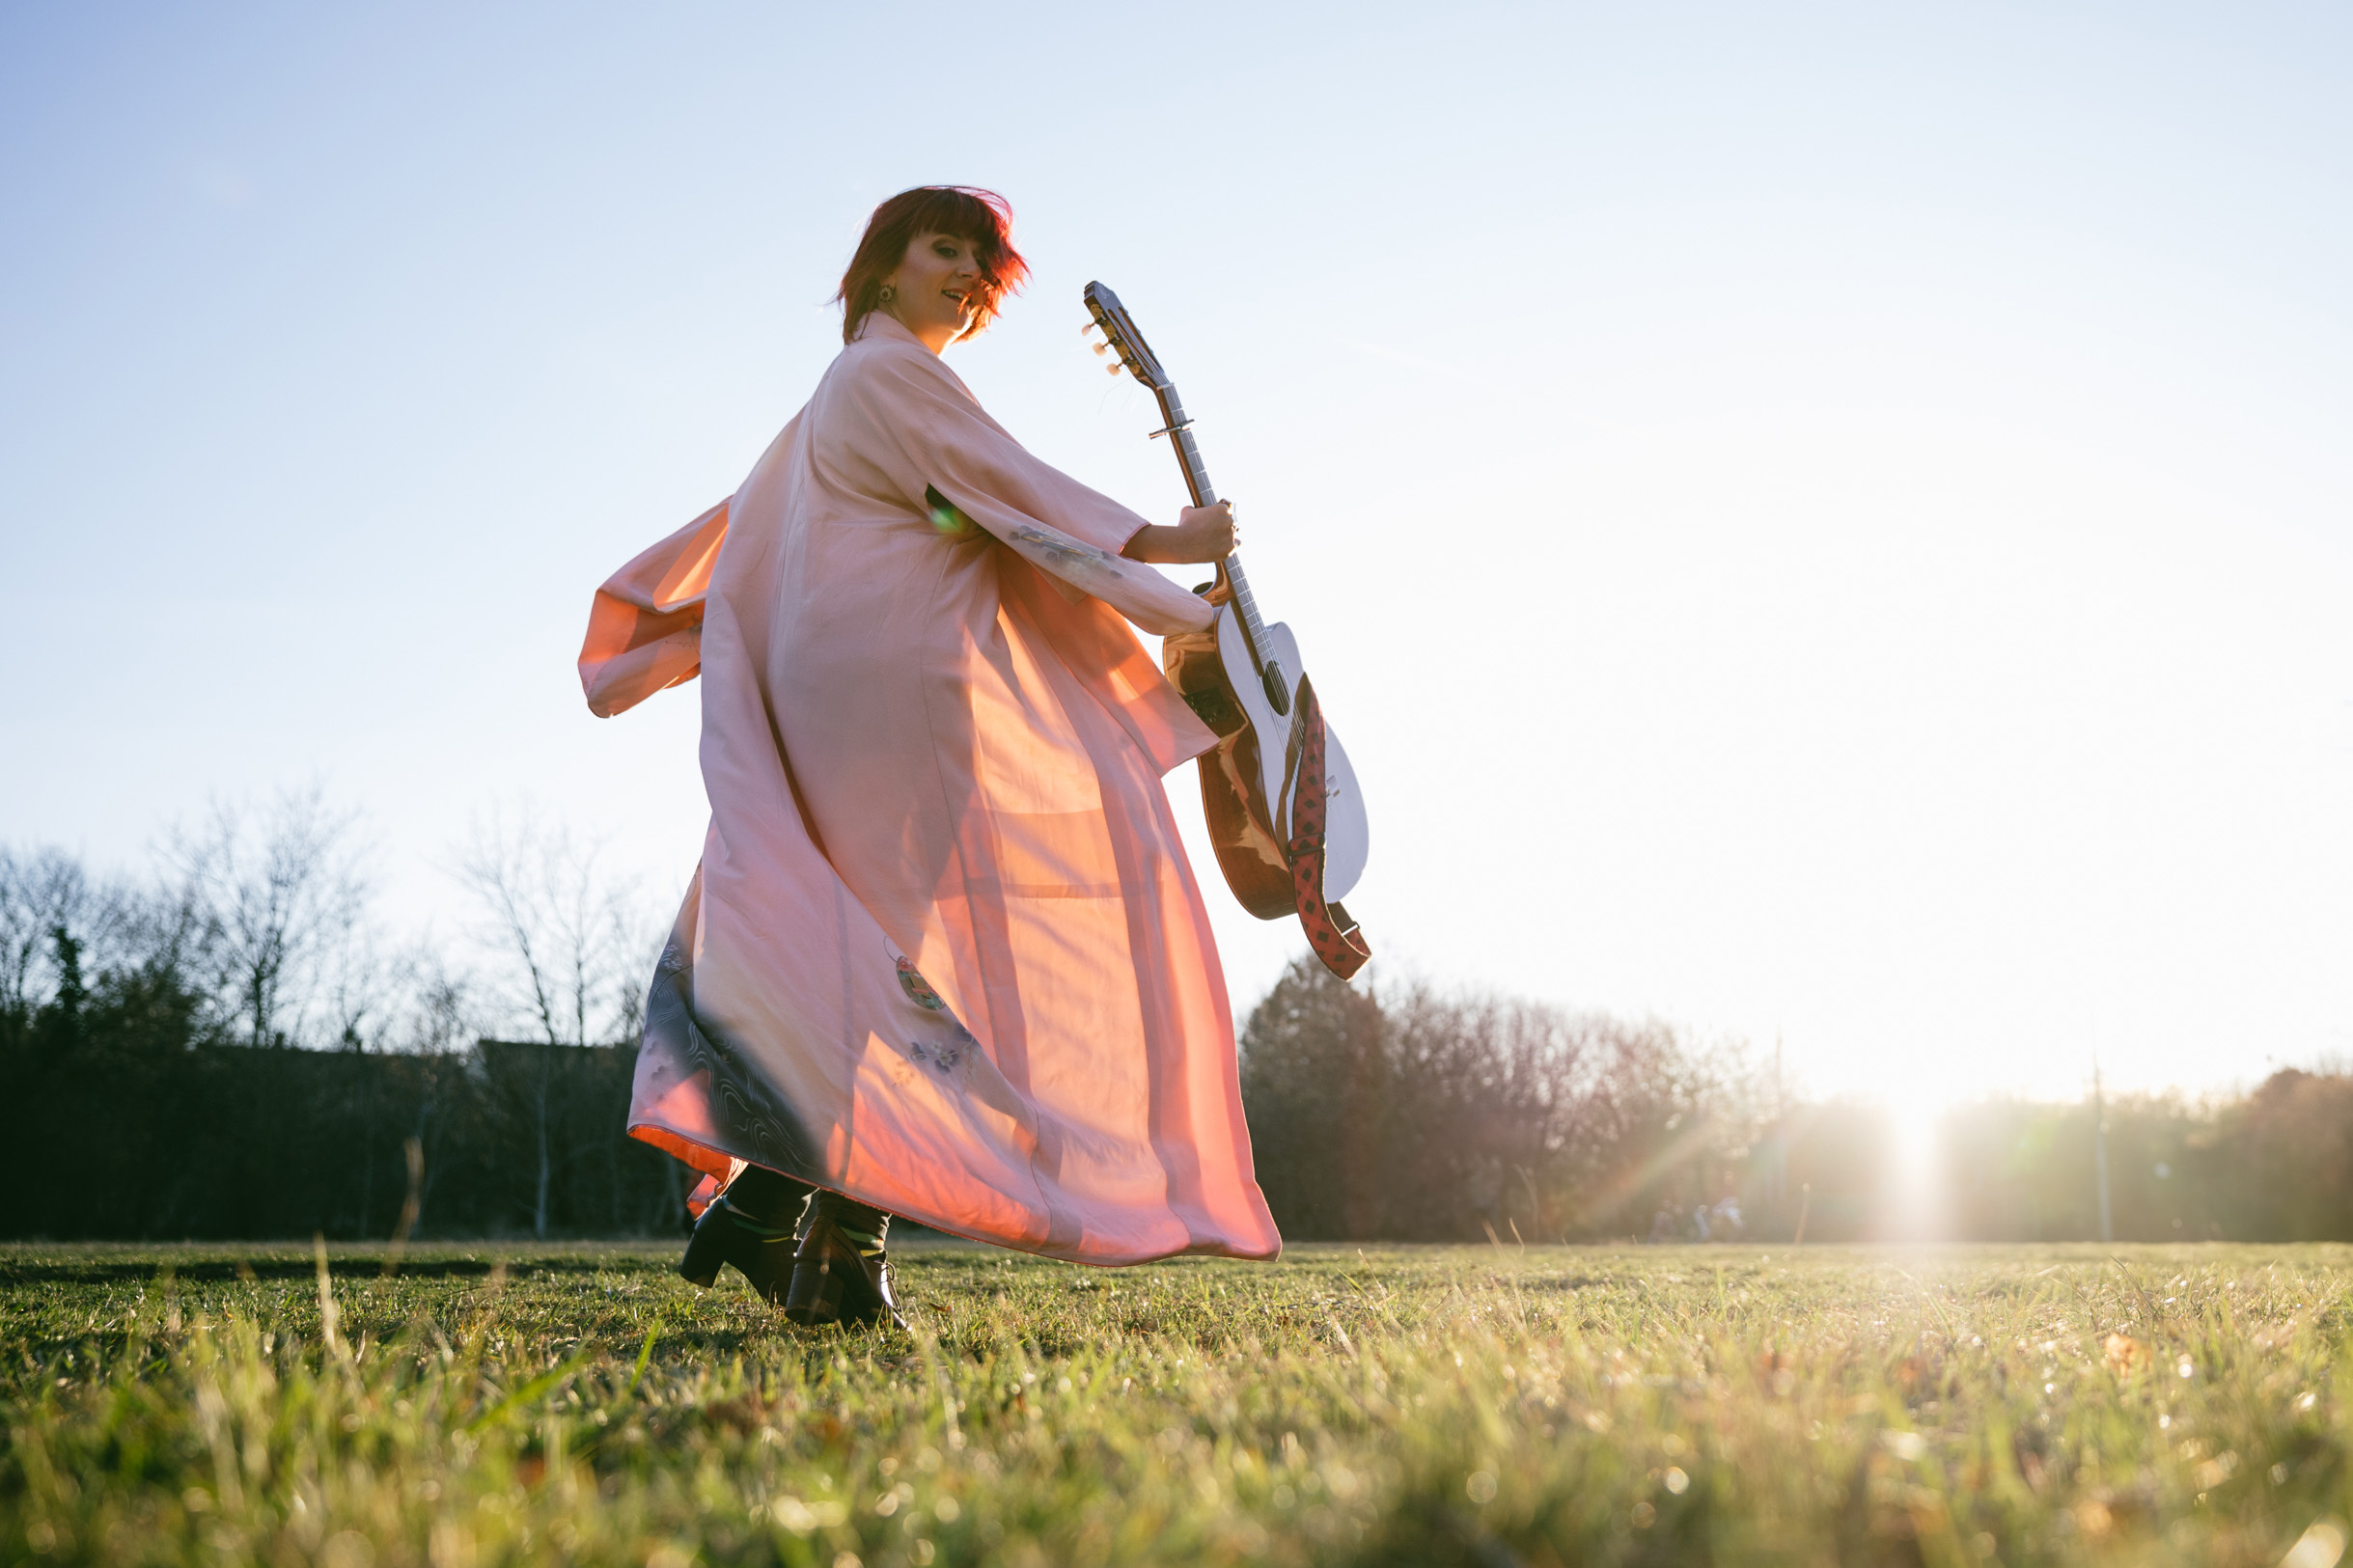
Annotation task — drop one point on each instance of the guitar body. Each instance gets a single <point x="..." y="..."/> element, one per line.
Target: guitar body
<point x="1246" y="785"/>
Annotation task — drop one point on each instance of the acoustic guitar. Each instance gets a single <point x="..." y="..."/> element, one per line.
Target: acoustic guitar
<point x="1248" y="683"/>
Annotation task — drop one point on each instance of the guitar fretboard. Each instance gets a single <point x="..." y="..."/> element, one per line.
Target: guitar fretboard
<point x="1197" y="483"/>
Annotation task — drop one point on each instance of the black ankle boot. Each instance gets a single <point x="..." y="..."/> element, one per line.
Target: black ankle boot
<point x="834" y="1282"/>
<point x="748" y="1225"/>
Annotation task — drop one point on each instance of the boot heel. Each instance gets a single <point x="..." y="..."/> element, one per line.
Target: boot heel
<point x="815" y="1294"/>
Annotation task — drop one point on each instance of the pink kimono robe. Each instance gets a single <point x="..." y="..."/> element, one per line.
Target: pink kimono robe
<point x="944" y="953"/>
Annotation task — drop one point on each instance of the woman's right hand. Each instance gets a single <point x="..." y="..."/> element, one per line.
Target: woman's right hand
<point x="1202" y="535"/>
<point x="1206" y="533"/>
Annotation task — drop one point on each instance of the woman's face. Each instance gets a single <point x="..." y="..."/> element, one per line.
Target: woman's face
<point x="934" y="286"/>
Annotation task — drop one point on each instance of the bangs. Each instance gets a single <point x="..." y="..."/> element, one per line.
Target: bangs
<point x="982" y="217"/>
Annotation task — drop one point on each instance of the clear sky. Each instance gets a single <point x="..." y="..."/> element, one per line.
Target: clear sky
<point x="1820" y="522"/>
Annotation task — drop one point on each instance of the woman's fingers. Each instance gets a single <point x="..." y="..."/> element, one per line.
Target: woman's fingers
<point x="1209" y="532"/>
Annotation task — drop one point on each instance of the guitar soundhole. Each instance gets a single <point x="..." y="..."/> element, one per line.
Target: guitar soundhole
<point x="1215" y="709"/>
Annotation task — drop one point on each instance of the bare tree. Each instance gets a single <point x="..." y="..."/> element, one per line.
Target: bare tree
<point x="39" y="891"/>
<point x="438" y="1019"/>
<point x="270" y="894"/>
<point x="49" y="902"/>
<point x="563" y="927"/>
<point x="40" y="895"/>
<point x="431" y="1017"/>
<point x="360" y="978"/>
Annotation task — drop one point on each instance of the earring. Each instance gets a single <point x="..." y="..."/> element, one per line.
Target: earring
<point x="887" y="293"/>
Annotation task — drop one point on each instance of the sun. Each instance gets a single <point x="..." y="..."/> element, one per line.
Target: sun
<point x="1918" y="1198"/>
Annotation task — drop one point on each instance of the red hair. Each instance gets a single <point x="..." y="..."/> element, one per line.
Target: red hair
<point x="981" y="216"/>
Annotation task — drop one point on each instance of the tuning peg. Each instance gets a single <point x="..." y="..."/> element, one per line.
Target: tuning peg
<point x="1115" y="367"/>
<point x="1101" y="347"/>
<point x="1089" y="327"/>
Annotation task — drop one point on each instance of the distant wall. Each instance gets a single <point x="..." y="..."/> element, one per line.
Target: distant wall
<point x="221" y="1141"/>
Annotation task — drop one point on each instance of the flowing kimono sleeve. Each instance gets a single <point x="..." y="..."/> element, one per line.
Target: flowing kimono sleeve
<point x="915" y="420"/>
<point x="644" y="627"/>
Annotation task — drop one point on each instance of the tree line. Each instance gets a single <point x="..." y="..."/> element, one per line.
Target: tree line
<point x="1406" y="1115"/>
<point x="232" y="1046"/>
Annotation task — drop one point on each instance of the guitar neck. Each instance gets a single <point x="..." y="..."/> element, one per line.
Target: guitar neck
<point x="1197" y="483"/>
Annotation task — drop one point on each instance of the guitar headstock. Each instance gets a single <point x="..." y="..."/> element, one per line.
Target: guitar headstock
<point x="1121" y="336"/>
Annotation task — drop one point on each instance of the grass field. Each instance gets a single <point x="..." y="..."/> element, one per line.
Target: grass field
<point x="512" y="1403"/>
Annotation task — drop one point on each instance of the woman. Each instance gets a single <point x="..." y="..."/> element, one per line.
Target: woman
<point x="944" y="956"/>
